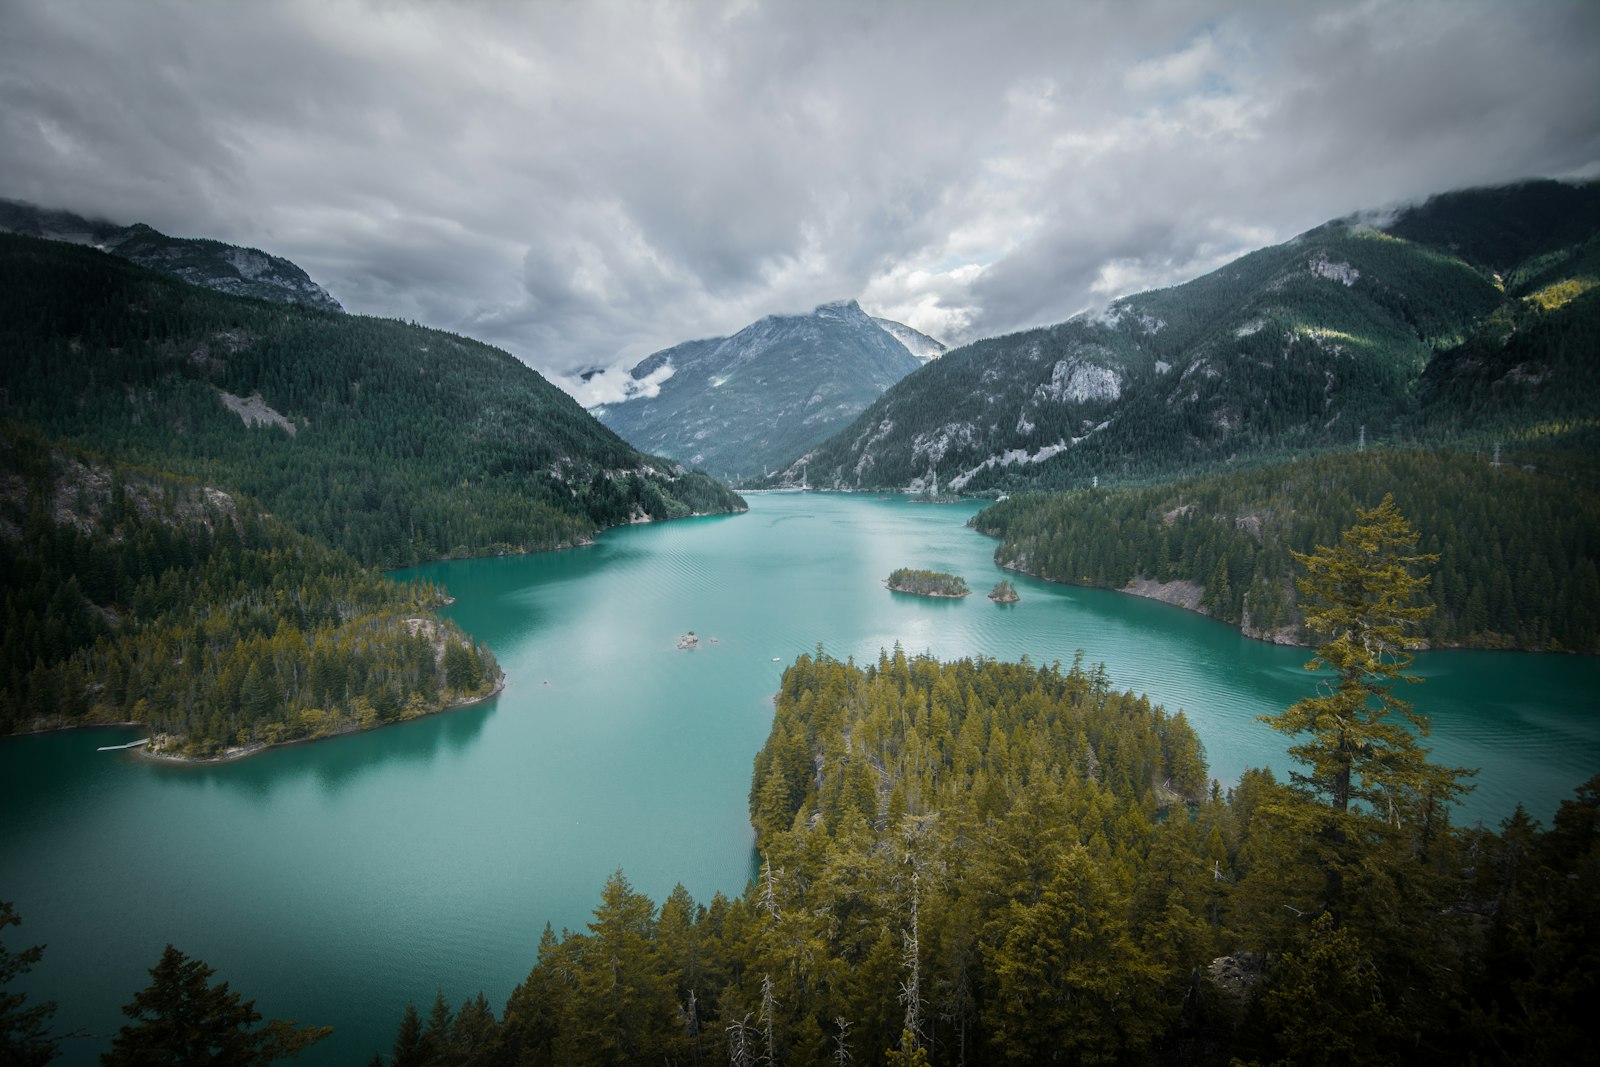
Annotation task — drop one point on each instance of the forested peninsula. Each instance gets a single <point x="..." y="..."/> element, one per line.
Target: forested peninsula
<point x="1517" y="534"/>
<point x="136" y="597"/>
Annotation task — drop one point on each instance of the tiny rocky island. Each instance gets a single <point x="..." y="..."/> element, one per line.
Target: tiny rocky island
<point x="927" y="583"/>
<point x="1004" y="592"/>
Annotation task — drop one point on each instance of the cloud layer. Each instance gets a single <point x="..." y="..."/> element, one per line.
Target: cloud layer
<point x="585" y="183"/>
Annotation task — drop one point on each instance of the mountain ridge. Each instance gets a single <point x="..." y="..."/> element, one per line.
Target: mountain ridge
<point x="1346" y="332"/>
<point x="395" y="442"/>
<point x="233" y="269"/>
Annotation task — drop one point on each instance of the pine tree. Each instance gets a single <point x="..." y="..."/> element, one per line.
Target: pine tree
<point x="410" y="1042"/>
<point x="181" y="1018"/>
<point x="1363" y="594"/>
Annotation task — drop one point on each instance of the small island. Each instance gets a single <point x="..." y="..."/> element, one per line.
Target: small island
<point x="928" y="583"/>
<point x="689" y="640"/>
<point x="1004" y="592"/>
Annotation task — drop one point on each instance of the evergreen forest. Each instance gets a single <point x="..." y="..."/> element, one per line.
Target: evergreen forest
<point x="146" y="598"/>
<point x="1517" y="535"/>
<point x="395" y="443"/>
<point x="982" y="863"/>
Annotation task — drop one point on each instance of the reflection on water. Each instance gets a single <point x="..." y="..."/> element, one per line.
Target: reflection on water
<point x="332" y="763"/>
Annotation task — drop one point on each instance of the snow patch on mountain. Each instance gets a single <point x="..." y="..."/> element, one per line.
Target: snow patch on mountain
<point x="1122" y="313"/>
<point x="916" y="342"/>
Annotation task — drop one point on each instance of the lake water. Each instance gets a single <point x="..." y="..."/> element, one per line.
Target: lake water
<point x="334" y="881"/>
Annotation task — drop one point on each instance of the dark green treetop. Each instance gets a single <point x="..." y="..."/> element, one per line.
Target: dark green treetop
<point x="181" y="1018"/>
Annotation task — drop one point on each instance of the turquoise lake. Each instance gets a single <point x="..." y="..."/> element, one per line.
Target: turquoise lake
<point x="334" y="881"/>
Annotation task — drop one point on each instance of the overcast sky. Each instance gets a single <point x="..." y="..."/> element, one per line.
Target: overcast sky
<point x="584" y="183"/>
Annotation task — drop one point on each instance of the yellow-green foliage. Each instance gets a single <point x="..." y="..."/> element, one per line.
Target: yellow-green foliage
<point x="968" y="863"/>
<point x="1562" y="293"/>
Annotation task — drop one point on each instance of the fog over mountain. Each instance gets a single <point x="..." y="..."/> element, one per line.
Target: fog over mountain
<point x="587" y="184"/>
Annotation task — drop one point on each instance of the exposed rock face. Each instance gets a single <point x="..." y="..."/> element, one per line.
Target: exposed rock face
<point x="1182" y="593"/>
<point x="1235" y="976"/>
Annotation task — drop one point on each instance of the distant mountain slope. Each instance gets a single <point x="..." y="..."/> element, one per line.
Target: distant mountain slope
<point x="1487" y="321"/>
<point x="396" y="443"/>
<point x="212" y="264"/>
<point x="739" y="405"/>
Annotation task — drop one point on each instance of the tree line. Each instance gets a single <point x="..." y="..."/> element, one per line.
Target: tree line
<point x="1517" y="543"/>
<point x="926" y="582"/>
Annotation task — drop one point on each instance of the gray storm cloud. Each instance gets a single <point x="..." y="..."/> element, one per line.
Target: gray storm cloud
<point x="584" y="184"/>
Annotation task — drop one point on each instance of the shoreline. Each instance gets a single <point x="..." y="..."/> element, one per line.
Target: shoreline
<point x="585" y="542"/>
<point x="233" y="755"/>
<point x="1150" y="589"/>
<point x="930" y="596"/>
<point x="1184" y="595"/>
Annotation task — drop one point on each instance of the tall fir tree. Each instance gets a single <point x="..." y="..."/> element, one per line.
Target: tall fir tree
<point x="180" y="1018"/>
<point x="1364" y="594"/>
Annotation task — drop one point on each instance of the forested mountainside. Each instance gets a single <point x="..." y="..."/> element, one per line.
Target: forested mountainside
<point x="132" y="596"/>
<point x="212" y="264"/>
<point x="739" y="406"/>
<point x="1473" y="316"/>
<point x="983" y="863"/>
<point x="393" y="442"/>
<point x="1517" y="540"/>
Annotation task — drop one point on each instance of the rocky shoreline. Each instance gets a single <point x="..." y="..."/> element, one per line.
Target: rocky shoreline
<point x="1185" y="594"/>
